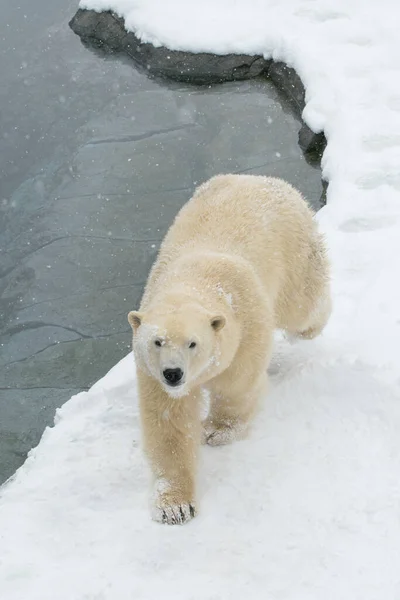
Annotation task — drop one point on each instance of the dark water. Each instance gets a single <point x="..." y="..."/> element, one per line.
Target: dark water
<point x="95" y="161"/>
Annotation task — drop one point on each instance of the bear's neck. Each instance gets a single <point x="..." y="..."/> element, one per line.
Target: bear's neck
<point x="214" y="280"/>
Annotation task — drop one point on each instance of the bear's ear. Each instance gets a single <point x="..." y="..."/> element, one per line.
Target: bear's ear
<point x="218" y="322"/>
<point x="135" y="319"/>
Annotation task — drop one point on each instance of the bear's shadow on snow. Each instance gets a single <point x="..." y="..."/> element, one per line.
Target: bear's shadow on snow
<point x="105" y="35"/>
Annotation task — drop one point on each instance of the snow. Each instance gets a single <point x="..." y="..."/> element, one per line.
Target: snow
<point x="308" y="506"/>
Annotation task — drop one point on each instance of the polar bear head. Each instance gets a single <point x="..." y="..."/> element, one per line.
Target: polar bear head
<point x="178" y="346"/>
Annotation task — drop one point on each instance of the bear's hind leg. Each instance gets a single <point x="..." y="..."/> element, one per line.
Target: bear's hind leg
<point x="316" y="320"/>
<point x="315" y="304"/>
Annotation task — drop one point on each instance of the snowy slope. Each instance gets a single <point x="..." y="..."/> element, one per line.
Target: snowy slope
<point x="308" y="507"/>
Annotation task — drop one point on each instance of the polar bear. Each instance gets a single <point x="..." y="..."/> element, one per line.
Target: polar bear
<point x="242" y="258"/>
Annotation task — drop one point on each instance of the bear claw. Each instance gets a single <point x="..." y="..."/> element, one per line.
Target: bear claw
<point x="174" y="514"/>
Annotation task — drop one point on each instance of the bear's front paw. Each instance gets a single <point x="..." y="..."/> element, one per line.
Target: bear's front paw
<point x="174" y="514"/>
<point x="171" y="506"/>
<point x="221" y="434"/>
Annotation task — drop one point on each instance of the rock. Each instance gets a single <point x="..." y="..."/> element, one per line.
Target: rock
<point x="286" y="79"/>
<point x="312" y="144"/>
<point x="106" y="31"/>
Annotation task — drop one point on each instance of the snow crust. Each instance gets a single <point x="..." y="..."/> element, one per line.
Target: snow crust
<point x="308" y="507"/>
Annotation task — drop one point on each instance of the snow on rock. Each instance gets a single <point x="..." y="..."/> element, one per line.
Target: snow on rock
<point x="308" y="507"/>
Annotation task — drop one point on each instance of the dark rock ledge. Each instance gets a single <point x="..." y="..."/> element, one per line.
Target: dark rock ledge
<point x="106" y="32"/>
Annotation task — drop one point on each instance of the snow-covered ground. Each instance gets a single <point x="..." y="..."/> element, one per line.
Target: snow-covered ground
<point x="309" y="506"/>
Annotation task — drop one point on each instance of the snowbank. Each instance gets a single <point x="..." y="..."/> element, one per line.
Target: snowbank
<point x="308" y="506"/>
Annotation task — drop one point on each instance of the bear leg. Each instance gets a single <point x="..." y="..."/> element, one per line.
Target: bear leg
<point x="317" y="319"/>
<point x="171" y="436"/>
<point x="231" y="414"/>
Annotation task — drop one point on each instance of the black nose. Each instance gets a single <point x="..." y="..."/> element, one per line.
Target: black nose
<point x="173" y="376"/>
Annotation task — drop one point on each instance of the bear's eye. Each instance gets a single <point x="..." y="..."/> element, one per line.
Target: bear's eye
<point x="158" y="343"/>
<point x="192" y="345"/>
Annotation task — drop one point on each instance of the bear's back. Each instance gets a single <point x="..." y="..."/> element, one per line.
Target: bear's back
<point x="248" y="215"/>
<point x="262" y="220"/>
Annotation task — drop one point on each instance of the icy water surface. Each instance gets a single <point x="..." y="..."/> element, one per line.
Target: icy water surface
<point x="96" y="159"/>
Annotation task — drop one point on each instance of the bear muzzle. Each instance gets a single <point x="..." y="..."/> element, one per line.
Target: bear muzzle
<point x="173" y="377"/>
